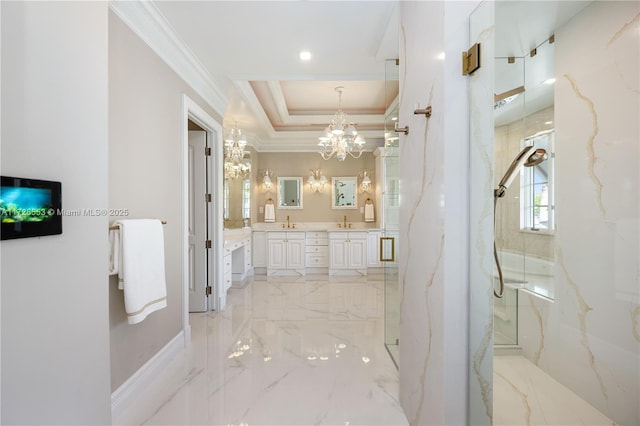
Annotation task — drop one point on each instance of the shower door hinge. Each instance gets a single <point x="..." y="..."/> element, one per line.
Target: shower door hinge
<point x="207" y="244"/>
<point x="471" y="59"/>
<point x="207" y="198"/>
<point x="207" y="152"/>
<point x="208" y="290"/>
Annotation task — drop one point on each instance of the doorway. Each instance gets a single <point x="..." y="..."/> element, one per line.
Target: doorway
<point x="200" y="278"/>
<point x="201" y="212"/>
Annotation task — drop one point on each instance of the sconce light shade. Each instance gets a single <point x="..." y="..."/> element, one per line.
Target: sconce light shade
<point x="365" y="184"/>
<point x="317" y="180"/>
<point x="267" y="183"/>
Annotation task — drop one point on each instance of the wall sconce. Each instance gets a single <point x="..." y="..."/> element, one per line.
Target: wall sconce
<point x="365" y="185"/>
<point x="267" y="182"/>
<point x="317" y="180"/>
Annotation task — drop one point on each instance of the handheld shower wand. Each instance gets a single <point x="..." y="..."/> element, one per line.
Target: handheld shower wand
<point x="525" y="158"/>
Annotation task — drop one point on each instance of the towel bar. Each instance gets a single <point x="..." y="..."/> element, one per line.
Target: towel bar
<point x="115" y="228"/>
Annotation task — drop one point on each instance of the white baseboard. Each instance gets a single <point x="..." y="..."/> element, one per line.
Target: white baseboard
<point x="122" y="397"/>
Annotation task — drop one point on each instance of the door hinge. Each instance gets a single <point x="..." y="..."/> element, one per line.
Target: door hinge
<point x="207" y="244"/>
<point x="207" y="151"/>
<point x="207" y="198"/>
<point x="471" y="59"/>
<point x="208" y="290"/>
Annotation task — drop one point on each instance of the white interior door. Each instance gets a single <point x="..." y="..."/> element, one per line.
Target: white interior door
<point x="198" y="277"/>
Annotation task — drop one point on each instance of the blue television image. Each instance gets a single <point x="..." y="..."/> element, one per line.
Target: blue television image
<point x="29" y="207"/>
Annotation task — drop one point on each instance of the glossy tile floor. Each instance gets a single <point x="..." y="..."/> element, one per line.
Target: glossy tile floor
<point x="285" y="351"/>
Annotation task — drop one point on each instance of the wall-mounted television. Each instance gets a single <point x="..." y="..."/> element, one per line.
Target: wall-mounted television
<point x="30" y="207"/>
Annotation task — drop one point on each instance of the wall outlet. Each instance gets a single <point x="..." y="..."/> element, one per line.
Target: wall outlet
<point x="261" y="209"/>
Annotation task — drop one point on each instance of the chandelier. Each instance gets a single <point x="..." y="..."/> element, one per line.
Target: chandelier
<point x="235" y="164"/>
<point x="237" y="170"/>
<point x="340" y="137"/>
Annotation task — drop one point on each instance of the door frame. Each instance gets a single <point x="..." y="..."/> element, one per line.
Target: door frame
<point x="192" y="111"/>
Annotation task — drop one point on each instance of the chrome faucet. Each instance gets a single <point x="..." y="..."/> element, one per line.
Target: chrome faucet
<point x="288" y="224"/>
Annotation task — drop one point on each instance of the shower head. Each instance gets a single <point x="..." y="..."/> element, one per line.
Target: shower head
<point x="528" y="157"/>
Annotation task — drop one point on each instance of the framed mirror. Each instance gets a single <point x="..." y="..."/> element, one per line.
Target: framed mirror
<point x="289" y="192"/>
<point x="344" y="193"/>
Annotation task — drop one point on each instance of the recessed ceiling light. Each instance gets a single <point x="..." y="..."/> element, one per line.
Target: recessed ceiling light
<point x="440" y="56"/>
<point x="548" y="122"/>
<point x="550" y="81"/>
<point x="305" y="55"/>
<point x="394" y="118"/>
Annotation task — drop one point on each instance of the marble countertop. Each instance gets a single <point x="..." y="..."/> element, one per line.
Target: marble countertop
<point x="315" y="226"/>
<point x="234" y="235"/>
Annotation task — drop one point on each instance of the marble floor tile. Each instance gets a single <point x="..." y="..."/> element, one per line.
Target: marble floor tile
<point x="285" y="351"/>
<point x="523" y="394"/>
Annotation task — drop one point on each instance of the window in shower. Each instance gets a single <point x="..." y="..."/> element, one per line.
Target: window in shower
<point x="536" y="188"/>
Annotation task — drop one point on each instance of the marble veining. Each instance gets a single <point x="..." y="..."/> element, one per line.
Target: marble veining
<point x="427" y="356"/>
<point x="523" y="397"/>
<point x="591" y="152"/>
<point x="584" y="309"/>
<point x="486" y="385"/>
<point x="629" y="26"/>
<point x="538" y="314"/>
<point x="526" y="395"/>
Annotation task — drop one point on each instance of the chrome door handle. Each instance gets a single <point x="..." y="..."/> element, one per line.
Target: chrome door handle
<point x="404" y="129"/>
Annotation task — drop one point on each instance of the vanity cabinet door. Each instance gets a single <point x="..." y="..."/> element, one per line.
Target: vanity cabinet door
<point x="338" y="253"/>
<point x="373" y="249"/>
<point x="357" y="253"/>
<point x="295" y="253"/>
<point x="277" y="250"/>
<point x="259" y="249"/>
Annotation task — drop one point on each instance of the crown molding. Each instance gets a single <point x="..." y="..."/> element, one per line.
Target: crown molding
<point x="144" y="18"/>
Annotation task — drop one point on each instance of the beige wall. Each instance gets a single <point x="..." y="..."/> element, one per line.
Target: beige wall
<point x="145" y="132"/>
<point x="316" y="205"/>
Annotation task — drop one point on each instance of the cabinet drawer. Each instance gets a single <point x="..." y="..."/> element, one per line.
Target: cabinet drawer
<point x="322" y="250"/>
<point x="316" y="235"/>
<point x="317" y="241"/>
<point x="276" y="235"/>
<point x="317" y="261"/>
<point x="227" y="281"/>
<point x="226" y="264"/>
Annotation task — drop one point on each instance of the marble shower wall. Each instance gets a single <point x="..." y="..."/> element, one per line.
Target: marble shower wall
<point x="434" y="224"/>
<point x="589" y="339"/>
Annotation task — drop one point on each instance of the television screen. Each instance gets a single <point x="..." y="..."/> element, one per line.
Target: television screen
<point x="30" y="207"/>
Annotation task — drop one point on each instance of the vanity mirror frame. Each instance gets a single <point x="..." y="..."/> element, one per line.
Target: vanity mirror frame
<point x="337" y="194"/>
<point x="282" y="184"/>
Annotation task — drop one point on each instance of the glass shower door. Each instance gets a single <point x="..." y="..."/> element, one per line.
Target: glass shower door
<point x="389" y="218"/>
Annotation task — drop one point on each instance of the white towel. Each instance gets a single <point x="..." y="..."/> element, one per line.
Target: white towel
<point x="141" y="267"/>
<point x="368" y="212"/>
<point x="269" y="213"/>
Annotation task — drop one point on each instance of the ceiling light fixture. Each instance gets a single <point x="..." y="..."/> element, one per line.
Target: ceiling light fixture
<point x="236" y="166"/>
<point x="340" y="137"/>
<point x="305" y="55"/>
